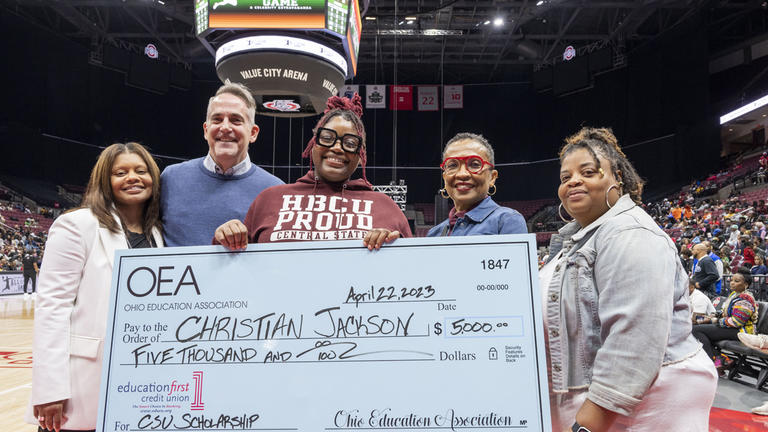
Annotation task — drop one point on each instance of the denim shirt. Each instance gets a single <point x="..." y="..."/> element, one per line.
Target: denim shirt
<point x="487" y="218"/>
<point x="617" y="307"/>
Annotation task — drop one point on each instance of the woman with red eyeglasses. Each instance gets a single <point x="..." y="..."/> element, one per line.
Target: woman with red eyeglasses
<point x="325" y="204"/>
<point x="470" y="181"/>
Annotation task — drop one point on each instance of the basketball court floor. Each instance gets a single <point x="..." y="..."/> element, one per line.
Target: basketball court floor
<point x="730" y="410"/>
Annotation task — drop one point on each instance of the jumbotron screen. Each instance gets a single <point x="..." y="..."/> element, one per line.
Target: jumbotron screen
<point x="272" y="14"/>
<point x="338" y="18"/>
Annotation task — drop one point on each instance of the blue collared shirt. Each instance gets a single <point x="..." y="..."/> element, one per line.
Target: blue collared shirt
<point x="485" y="219"/>
<point x="240" y="168"/>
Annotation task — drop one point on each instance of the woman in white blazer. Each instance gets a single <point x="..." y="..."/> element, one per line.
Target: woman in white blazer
<point x="120" y="210"/>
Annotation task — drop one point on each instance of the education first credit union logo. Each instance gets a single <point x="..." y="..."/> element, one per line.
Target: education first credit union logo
<point x="197" y="400"/>
<point x="283" y="105"/>
<point x="173" y="393"/>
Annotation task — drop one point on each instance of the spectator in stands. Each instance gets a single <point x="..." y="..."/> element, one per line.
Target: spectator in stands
<point x="759" y="268"/>
<point x="697" y="237"/>
<point x="685" y="242"/>
<point x="670" y="222"/>
<point x="759" y="232"/>
<point x="30" y="271"/>
<point x="677" y="213"/>
<point x="705" y="274"/>
<point x="725" y="256"/>
<point x="470" y="182"/>
<point x="701" y="305"/>
<point x="687" y="212"/>
<point x="759" y="272"/>
<point x="739" y="315"/>
<point x="335" y="152"/>
<point x="635" y="353"/>
<point x="718" y="264"/>
<point x="755" y="341"/>
<point x="748" y="253"/>
<point x="758" y="342"/>
<point x="120" y="210"/>
<point x="203" y="193"/>
<point x="686" y="258"/>
<point x="733" y="237"/>
<point x="762" y="209"/>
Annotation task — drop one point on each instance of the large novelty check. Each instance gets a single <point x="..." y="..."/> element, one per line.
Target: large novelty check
<point x="425" y="334"/>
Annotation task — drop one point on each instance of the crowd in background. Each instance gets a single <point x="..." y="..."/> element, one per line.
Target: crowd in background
<point x="18" y="241"/>
<point x="734" y="229"/>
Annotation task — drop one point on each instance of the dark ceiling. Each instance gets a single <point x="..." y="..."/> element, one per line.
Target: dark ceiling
<point x="461" y="35"/>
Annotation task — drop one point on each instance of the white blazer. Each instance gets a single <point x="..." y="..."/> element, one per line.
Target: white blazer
<point x="71" y="315"/>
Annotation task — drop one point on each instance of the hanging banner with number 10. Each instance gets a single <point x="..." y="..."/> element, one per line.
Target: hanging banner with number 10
<point x="453" y="97"/>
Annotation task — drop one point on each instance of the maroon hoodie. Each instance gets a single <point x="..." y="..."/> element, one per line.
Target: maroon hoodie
<point x="311" y="209"/>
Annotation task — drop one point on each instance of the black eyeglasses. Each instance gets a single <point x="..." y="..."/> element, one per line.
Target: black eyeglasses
<point x="327" y="138"/>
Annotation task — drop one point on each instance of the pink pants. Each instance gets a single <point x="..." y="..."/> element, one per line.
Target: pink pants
<point x="679" y="400"/>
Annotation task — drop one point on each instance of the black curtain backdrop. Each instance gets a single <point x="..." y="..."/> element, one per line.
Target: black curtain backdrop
<point x="51" y="89"/>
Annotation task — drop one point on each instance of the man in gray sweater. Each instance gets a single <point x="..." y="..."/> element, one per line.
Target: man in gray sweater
<point x="199" y="195"/>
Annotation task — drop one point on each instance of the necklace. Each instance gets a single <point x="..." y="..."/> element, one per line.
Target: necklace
<point x="135" y="239"/>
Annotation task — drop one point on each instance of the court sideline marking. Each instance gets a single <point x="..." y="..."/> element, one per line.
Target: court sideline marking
<point x="29" y="385"/>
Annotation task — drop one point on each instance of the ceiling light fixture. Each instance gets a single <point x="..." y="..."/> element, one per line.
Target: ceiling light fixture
<point x="540" y="2"/>
<point x="498" y="22"/>
<point x="745" y="109"/>
<point x="410" y="22"/>
<point x="486" y="23"/>
<point x="411" y="18"/>
<point x="401" y="23"/>
<point x="414" y="32"/>
<point x="370" y="18"/>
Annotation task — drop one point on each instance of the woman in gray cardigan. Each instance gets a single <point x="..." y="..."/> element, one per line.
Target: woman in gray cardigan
<point x="616" y="310"/>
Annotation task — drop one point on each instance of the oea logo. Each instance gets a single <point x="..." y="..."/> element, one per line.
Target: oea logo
<point x="143" y="281"/>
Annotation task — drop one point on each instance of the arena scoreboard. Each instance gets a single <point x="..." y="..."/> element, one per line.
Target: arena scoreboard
<point x="340" y="18"/>
<point x="292" y="54"/>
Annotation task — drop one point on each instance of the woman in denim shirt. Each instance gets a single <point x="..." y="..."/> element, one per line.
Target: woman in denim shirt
<point x="616" y="308"/>
<point x="469" y="178"/>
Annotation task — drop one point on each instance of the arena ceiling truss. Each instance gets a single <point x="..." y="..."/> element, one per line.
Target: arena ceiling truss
<point x="474" y="41"/>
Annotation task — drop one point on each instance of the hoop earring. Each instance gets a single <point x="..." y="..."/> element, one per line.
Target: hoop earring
<point x="607" y="191"/>
<point x="443" y="193"/>
<point x="494" y="190"/>
<point x="560" y="213"/>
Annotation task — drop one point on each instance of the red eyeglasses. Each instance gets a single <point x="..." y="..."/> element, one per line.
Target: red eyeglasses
<point x="474" y="164"/>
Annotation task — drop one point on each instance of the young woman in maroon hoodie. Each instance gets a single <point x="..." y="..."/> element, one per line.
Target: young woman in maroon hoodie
<point x="325" y="204"/>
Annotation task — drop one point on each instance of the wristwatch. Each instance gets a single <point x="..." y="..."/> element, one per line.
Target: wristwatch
<point x="578" y="428"/>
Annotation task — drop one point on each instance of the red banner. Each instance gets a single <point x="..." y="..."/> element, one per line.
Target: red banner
<point x="401" y="98"/>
